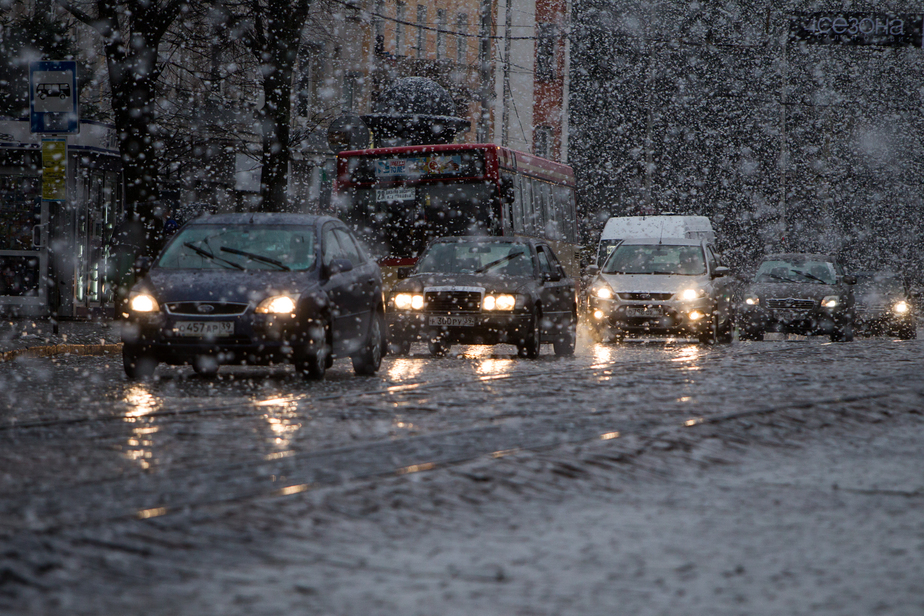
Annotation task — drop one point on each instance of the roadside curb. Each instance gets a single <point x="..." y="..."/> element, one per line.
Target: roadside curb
<point x="61" y="349"/>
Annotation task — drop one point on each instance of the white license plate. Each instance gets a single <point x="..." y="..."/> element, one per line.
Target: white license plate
<point x="644" y="311"/>
<point x="204" y="329"/>
<point x="452" y="321"/>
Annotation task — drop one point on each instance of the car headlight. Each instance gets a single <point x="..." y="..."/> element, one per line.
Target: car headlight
<point x="901" y="307"/>
<point x="602" y="290"/>
<point x="143" y="302"/>
<point x="409" y="301"/>
<point x="502" y="301"/>
<point x="688" y="295"/>
<point x="278" y="304"/>
<point x="831" y="301"/>
<point x="752" y="300"/>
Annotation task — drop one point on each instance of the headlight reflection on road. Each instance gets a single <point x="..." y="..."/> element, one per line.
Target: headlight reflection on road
<point x="141" y="402"/>
<point x="281" y="417"/>
<point x="488" y="368"/>
<point x="402" y="369"/>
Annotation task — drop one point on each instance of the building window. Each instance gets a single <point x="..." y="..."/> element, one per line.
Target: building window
<point x="401" y="15"/>
<point x="421" y="32"/>
<point x="542" y="142"/>
<point x="352" y="89"/>
<point x="440" y="34"/>
<point x="462" y="39"/>
<point x="546" y="67"/>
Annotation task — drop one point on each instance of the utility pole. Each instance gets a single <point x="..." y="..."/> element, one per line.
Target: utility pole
<point x="508" y="20"/>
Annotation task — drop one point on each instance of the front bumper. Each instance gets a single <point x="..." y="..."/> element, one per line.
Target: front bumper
<point x="459" y="327"/>
<point x="815" y="321"/>
<point x="646" y="318"/>
<point x="251" y="338"/>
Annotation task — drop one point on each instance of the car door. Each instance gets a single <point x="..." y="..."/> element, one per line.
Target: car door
<point x="341" y="290"/>
<point x="367" y="290"/>
<point x="722" y="286"/>
<point x="556" y="290"/>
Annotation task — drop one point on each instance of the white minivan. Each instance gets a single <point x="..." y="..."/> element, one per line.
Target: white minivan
<point x="619" y="228"/>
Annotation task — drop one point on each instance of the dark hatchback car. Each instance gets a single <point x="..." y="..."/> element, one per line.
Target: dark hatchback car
<point x="798" y="293"/>
<point x="257" y="289"/>
<point x="484" y="290"/>
<point x="884" y="306"/>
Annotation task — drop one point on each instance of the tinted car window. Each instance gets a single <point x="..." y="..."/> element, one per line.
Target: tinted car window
<point x="471" y="257"/>
<point x="241" y="247"/>
<point x="544" y="266"/>
<point x="350" y="249"/>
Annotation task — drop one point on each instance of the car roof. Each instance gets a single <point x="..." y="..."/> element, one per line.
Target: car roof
<point x="667" y="241"/>
<point x="494" y="239"/>
<point x="260" y="218"/>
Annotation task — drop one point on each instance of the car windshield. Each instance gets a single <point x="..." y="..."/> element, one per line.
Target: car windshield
<point x="796" y="270"/>
<point x="495" y="258"/>
<point x="663" y="259"/>
<point x="241" y="247"/>
<point x="876" y="285"/>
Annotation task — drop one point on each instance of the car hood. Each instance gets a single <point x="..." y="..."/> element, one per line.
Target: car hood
<point x="653" y="283"/>
<point x="224" y="286"/>
<point x="495" y="284"/>
<point x="804" y="290"/>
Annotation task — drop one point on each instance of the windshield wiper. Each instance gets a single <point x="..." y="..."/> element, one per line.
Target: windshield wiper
<point x="809" y="276"/>
<point x="208" y="255"/>
<point x="780" y="278"/>
<point x="504" y="259"/>
<point x="256" y="257"/>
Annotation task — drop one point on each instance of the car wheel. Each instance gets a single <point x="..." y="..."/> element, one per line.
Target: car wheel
<point x="314" y="360"/>
<point x="399" y="347"/>
<point x="908" y="332"/>
<point x="710" y="336"/>
<point x="531" y="344"/>
<point x="564" y="345"/>
<point x="367" y="362"/>
<point x="842" y="334"/>
<point x="136" y="364"/>
<point x="727" y="332"/>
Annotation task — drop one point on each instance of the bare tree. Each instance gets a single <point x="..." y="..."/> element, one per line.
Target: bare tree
<point x="132" y="33"/>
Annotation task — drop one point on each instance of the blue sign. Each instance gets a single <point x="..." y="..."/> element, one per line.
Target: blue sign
<point x="53" y="97"/>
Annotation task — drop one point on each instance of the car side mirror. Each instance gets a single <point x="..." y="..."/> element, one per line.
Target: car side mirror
<point x="850" y="279"/>
<point x="592" y="270"/>
<point x="404" y="272"/>
<point x="720" y="271"/>
<point x="338" y="266"/>
<point x="142" y="266"/>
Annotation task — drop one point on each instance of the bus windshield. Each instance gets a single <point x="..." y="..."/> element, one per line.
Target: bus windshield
<point x="399" y="221"/>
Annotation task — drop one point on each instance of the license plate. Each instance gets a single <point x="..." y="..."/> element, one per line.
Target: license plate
<point x="452" y="321"/>
<point x="644" y="311"/>
<point x="204" y="329"/>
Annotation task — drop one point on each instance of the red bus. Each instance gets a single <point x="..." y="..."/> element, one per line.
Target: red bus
<point x="398" y="199"/>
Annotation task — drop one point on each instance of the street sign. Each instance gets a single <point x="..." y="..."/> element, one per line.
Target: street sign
<point x="53" y="97"/>
<point x="851" y="28"/>
<point x="54" y="169"/>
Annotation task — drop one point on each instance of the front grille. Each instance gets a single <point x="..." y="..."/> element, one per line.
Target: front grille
<point x="452" y="301"/>
<point x="791" y="303"/>
<point x="644" y="297"/>
<point x="201" y="309"/>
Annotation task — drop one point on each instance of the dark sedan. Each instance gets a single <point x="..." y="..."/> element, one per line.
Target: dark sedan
<point x="257" y="289"/>
<point x="807" y="294"/>
<point x="485" y="290"/>
<point x="884" y="306"/>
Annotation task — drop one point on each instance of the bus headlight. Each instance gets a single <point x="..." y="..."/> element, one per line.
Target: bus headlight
<point x="277" y="304"/>
<point x="409" y="301"/>
<point x="499" y="302"/>
<point x="901" y="307"/>
<point x="144" y="302"/>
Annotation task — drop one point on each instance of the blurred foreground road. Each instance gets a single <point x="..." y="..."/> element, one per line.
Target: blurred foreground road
<point x="781" y="477"/>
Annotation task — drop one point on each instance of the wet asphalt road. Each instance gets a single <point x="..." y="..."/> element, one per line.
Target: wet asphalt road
<point x="82" y="448"/>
